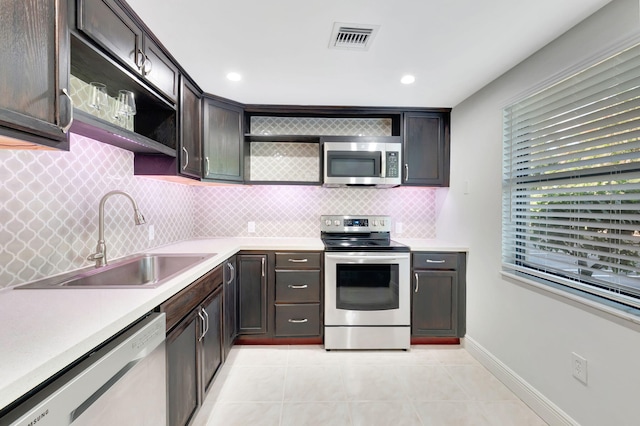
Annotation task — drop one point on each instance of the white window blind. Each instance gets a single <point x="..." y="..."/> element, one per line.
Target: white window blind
<point x="571" y="188"/>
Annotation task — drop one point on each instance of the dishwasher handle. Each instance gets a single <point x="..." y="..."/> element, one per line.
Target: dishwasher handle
<point x="67" y="397"/>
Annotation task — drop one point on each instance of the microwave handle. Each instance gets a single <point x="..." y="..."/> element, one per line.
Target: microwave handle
<point x="383" y="164"/>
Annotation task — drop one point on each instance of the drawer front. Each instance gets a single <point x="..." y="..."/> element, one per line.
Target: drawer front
<point x="435" y="261"/>
<point x="182" y="303"/>
<point x="298" y="286"/>
<point x="302" y="260"/>
<point x="297" y="320"/>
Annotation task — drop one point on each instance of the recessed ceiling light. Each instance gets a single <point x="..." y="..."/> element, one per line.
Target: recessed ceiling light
<point x="234" y="76"/>
<point x="407" y="79"/>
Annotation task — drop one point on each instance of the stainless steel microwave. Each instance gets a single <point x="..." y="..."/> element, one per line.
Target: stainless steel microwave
<point x="363" y="161"/>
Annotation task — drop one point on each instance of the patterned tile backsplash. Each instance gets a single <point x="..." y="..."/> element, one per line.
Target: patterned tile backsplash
<point x="320" y="126"/>
<point x="294" y="211"/>
<point x="283" y="161"/>
<point x="49" y="209"/>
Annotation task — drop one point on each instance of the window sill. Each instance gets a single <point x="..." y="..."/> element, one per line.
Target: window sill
<point x="600" y="304"/>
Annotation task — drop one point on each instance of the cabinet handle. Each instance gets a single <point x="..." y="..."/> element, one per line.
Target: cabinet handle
<point x="263" y="266"/>
<point x="206" y="162"/>
<point x="206" y="315"/>
<point x="147" y="70"/>
<point x="231" y="272"/>
<point x="406" y="171"/>
<point x="435" y="261"/>
<point x="204" y="331"/>
<point x="186" y="158"/>
<point x="298" y="321"/>
<point x="140" y="59"/>
<point x="417" y="283"/>
<point x="66" y="128"/>
<point x="298" y="260"/>
<point x="298" y="286"/>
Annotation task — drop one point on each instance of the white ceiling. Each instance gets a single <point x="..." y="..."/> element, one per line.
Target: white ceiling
<point x="453" y="47"/>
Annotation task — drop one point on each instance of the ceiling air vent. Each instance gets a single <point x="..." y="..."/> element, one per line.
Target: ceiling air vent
<point x="352" y="36"/>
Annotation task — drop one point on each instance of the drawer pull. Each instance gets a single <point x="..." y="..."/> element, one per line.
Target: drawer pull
<point x="298" y="321"/>
<point x="298" y="260"/>
<point x="435" y="261"/>
<point x="298" y="286"/>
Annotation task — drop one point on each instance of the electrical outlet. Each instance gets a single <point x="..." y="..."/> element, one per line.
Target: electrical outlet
<point x="398" y="227"/>
<point x="579" y="367"/>
<point x="251" y="227"/>
<point x="152" y="233"/>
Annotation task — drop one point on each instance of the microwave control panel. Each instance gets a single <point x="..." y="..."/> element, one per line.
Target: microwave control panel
<point x="393" y="166"/>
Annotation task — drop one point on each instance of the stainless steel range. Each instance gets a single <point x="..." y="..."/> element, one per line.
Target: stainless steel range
<point x="367" y="284"/>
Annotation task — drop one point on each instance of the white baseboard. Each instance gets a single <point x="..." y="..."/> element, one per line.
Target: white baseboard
<point x="542" y="406"/>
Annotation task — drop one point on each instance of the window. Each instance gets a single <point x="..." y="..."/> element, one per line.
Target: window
<point x="571" y="187"/>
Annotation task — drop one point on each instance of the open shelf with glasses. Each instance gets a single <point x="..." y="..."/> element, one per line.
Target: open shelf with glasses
<point x="154" y="128"/>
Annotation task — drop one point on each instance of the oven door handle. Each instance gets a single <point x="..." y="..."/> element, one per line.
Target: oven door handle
<point x="367" y="258"/>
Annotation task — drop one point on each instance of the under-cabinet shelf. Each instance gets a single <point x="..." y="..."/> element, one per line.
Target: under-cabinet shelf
<point x="282" y="138"/>
<point x="93" y="127"/>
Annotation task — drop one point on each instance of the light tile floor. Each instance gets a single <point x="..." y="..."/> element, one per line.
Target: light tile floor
<point x="306" y="385"/>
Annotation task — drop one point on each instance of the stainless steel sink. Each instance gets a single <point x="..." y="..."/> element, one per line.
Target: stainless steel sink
<point x="137" y="271"/>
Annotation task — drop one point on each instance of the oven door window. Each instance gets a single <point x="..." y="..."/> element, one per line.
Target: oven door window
<point x="362" y="287"/>
<point x="354" y="164"/>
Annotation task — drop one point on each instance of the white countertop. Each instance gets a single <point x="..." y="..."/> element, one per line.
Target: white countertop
<point x="43" y="331"/>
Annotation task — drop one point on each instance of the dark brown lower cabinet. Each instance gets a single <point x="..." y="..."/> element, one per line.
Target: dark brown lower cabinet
<point x="194" y="345"/>
<point x="438" y="297"/>
<point x="279" y="296"/>
<point x="211" y="340"/>
<point x="252" y="294"/>
<point x="230" y="328"/>
<point x="182" y="371"/>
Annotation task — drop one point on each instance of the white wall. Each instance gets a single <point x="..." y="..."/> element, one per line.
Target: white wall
<point x="530" y="331"/>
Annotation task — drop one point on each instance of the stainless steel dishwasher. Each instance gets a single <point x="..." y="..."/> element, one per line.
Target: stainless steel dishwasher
<point x="121" y="383"/>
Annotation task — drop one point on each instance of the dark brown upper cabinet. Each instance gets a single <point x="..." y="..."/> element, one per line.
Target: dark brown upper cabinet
<point x="34" y="74"/>
<point x="106" y="23"/>
<point x="426" y="149"/>
<point x="111" y="27"/>
<point x="159" y="70"/>
<point x="223" y="140"/>
<point x="190" y="152"/>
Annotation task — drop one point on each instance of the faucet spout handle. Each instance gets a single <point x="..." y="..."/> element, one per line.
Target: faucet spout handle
<point x="95" y="256"/>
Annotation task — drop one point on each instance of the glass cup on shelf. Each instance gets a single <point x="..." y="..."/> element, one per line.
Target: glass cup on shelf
<point x="126" y="103"/>
<point x="98" y="95"/>
<point x="124" y="108"/>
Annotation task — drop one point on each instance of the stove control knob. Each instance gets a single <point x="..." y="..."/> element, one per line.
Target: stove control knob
<point x="336" y="222"/>
<point x="375" y="223"/>
<point x="382" y="222"/>
<point x="327" y="222"/>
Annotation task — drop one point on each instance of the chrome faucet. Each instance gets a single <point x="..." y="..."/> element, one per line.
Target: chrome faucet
<point x="100" y="256"/>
